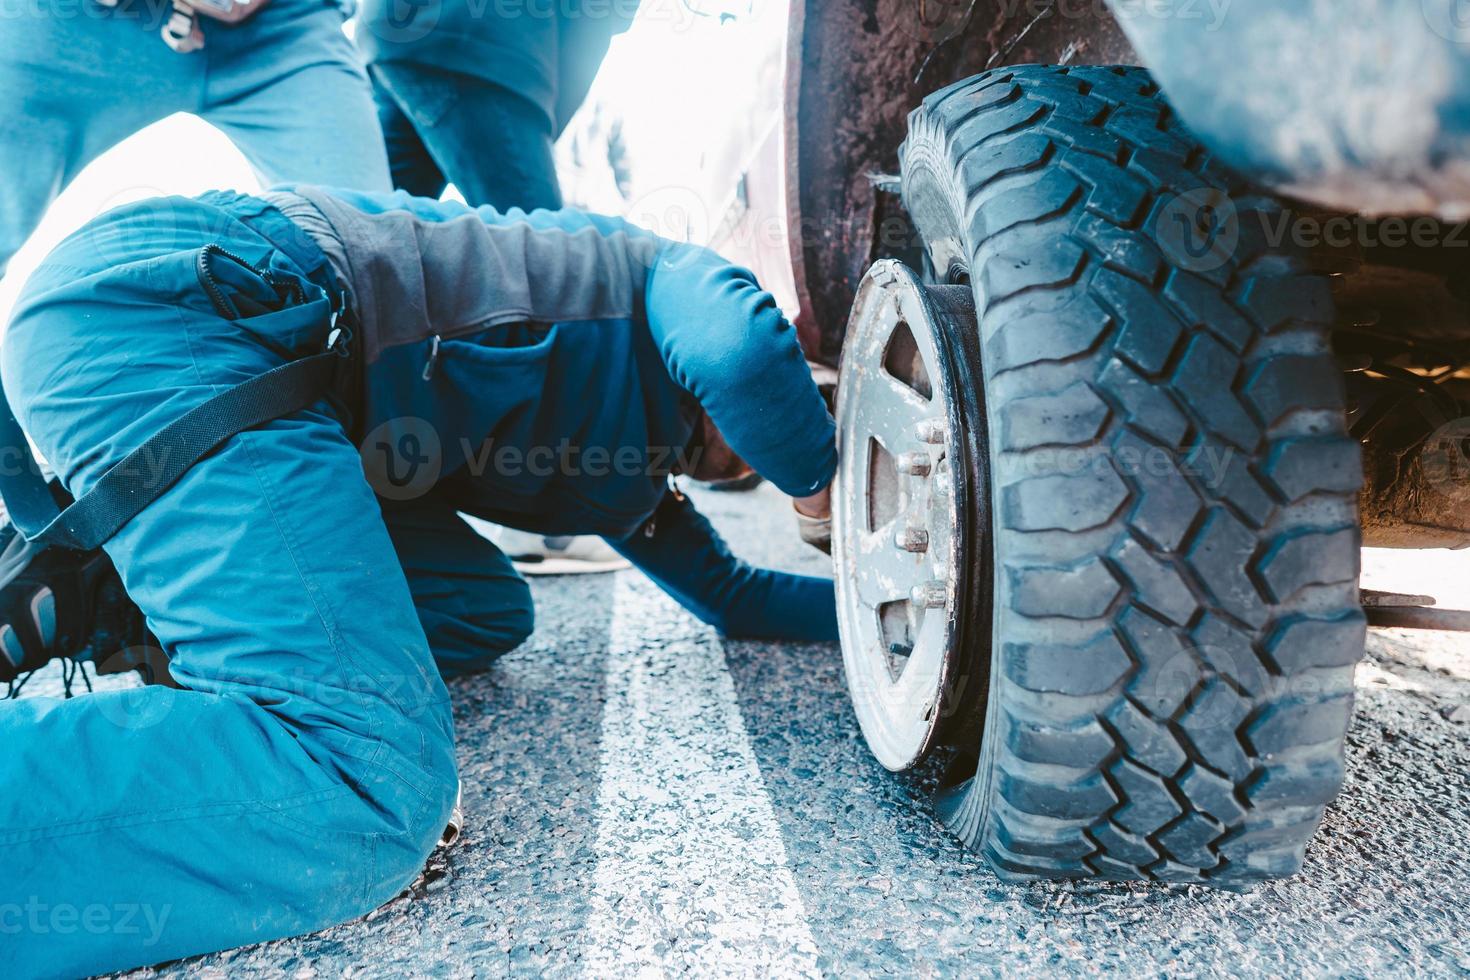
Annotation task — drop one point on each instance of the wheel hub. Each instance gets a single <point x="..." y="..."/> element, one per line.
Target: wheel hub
<point x="899" y="538"/>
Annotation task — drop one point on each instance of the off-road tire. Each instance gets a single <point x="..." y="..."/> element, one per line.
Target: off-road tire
<point x="1174" y="514"/>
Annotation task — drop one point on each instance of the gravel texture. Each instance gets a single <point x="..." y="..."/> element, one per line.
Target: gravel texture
<point x="880" y="887"/>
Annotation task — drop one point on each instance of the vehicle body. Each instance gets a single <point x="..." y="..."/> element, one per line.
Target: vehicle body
<point x="1124" y="377"/>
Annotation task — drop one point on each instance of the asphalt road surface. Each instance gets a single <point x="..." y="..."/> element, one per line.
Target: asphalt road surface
<point x="646" y="799"/>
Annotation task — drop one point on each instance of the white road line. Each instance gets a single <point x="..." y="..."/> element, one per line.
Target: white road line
<point x="691" y="870"/>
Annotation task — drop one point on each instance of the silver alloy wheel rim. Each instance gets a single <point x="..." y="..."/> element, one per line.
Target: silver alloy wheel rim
<point x="896" y="525"/>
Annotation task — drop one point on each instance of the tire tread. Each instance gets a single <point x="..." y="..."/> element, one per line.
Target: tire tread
<point x="1180" y="716"/>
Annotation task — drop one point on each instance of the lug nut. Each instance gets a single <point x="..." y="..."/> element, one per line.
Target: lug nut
<point x="930" y="595"/>
<point x="914" y="464"/>
<point x="914" y="539"/>
<point x="931" y="431"/>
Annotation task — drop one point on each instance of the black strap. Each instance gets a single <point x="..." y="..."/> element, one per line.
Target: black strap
<point x="147" y="472"/>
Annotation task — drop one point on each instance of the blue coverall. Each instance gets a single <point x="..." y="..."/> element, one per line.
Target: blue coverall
<point x="307" y="768"/>
<point x="79" y="77"/>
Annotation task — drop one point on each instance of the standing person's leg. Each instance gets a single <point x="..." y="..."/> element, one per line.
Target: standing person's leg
<point x="582" y="44"/>
<point x="491" y="143"/>
<point x="409" y="160"/>
<point x="307" y="768"/>
<point x="473" y="605"/>
<point x="289" y="88"/>
<point x="75" y="85"/>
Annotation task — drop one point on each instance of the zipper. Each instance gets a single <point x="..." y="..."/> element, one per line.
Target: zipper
<point x="210" y="283"/>
<point x="433" y="360"/>
<point x="295" y="295"/>
<point x="650" y="527"/>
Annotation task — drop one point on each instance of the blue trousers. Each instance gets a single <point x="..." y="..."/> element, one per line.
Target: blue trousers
<point x="444" y="127"/>
<point x="480" y="98"/>
<point x="305" y="770"/>
<point x="305" y="773"/>
<point x="286" y="86"/>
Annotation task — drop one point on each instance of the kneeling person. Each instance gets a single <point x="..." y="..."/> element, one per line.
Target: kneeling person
<point x="545" y="371"/>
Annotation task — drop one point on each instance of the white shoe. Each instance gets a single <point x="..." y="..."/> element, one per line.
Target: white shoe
<point x="456" y="820"/>
<point x="536" y="554"/>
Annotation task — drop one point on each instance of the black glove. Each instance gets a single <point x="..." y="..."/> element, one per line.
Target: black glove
<point x="57" y="603"/>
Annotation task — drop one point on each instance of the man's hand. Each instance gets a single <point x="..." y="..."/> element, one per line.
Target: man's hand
<point x="814" y="519"/>
<point x="818" y="505"/>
